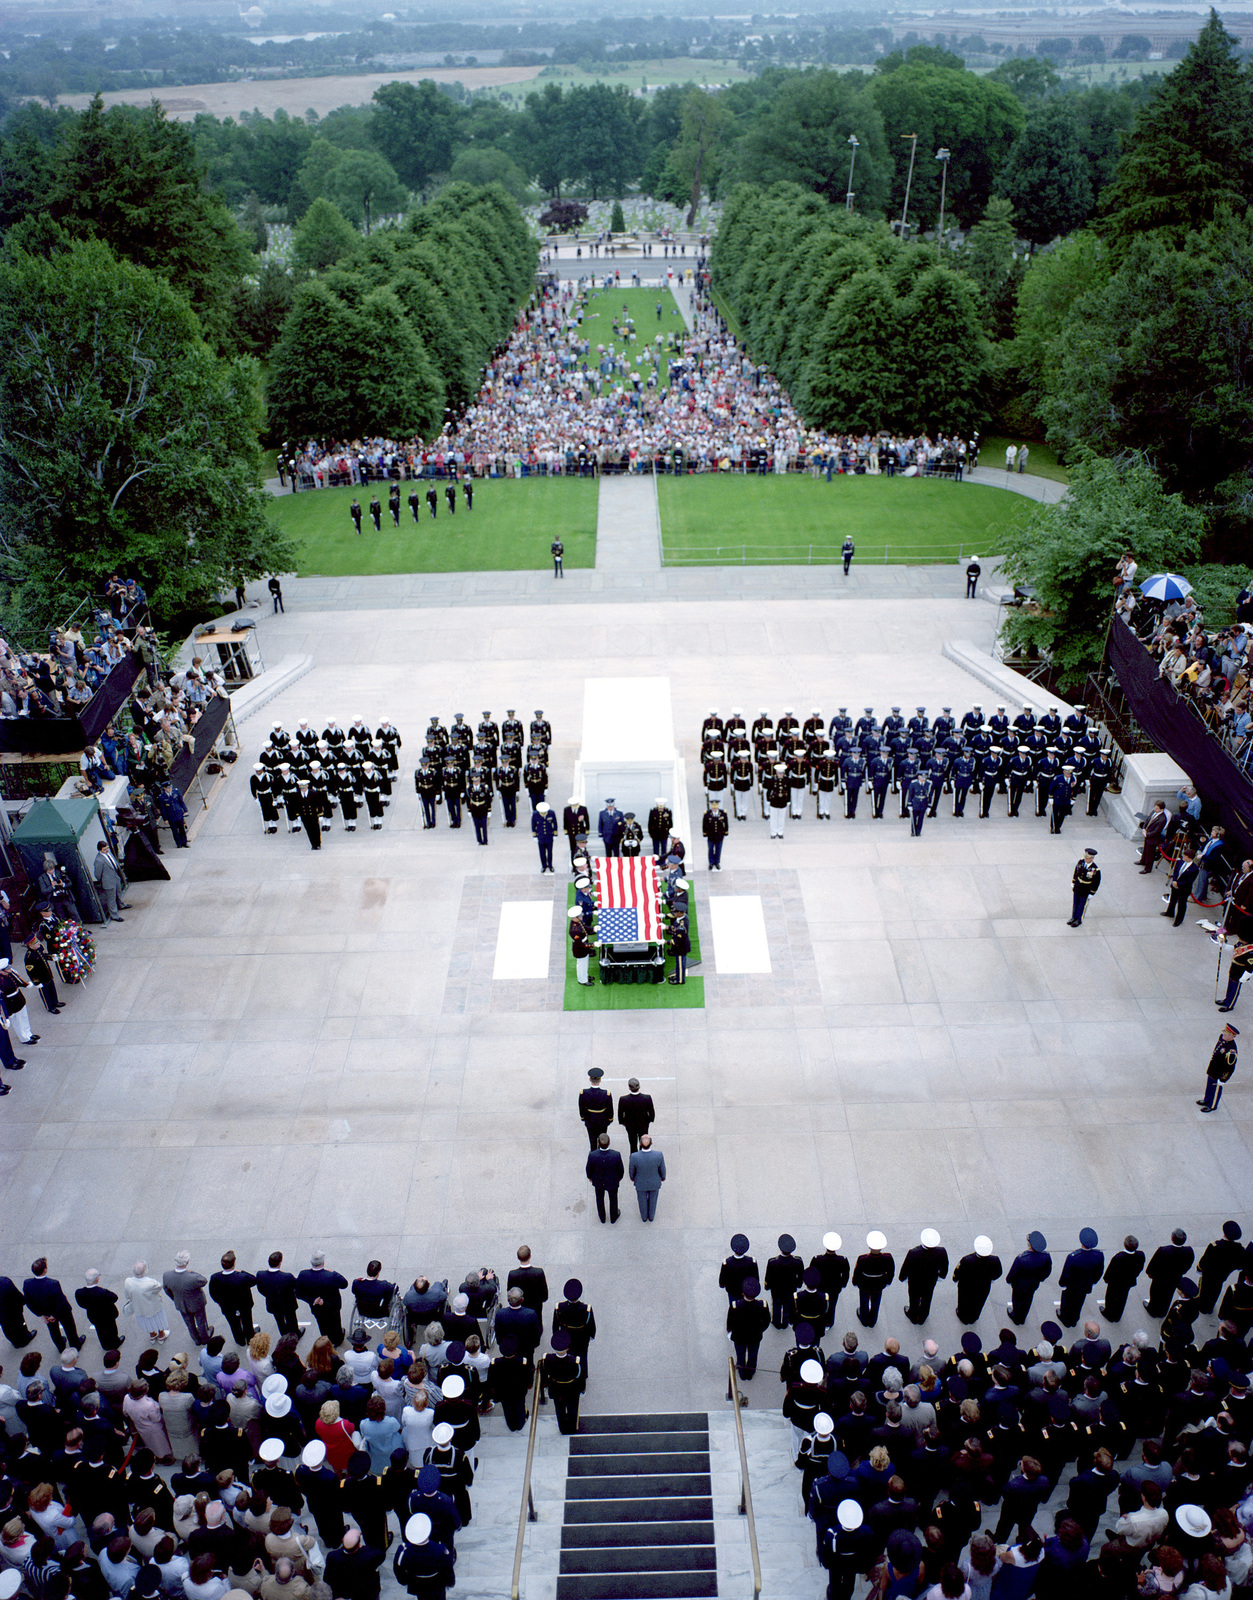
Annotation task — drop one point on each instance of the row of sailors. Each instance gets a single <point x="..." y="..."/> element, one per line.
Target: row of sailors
<point x="310" y="793"/>
<point x="334" y="741"/>
<point x="988" y="756"/>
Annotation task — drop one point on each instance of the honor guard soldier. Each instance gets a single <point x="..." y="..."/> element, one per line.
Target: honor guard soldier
<point x="508" y="781"/>
<point x="963" y="775"/>
<point x="714" y="827"/>
<point x="576" y="824"/>
<point x="376" y="513"/>
<point x="735" y="722"/>
<point x="897" y="748"/>
<point x="262" y="786"/>
<point x="306" y="738"/>
<point x="922" y="1269"/>
<point x="426" y="783"/>
<point x="716" y="776"/>
<point x="736" y="1269"/>
<point x="350" y="796"/>
<point x="354" y="511"/>
<point x="453" y="785"/>
<point x="1222" y="1064"/>
<point x="972" y="721"/>
<point x="812" y="1304"/>
<point x="776" y="793"/>
<point x="281" y="739"/>
<point x="767" y="758"/>
<point x="432" y="501"/>
<point x="488" y="730"/>
<point x="1099" y="774"/>
<point x="583" y="902"/>
<point x="435" y="730"/>
<point x="479" y="802"/>
<point x="544" y="827"/>
<point x="1050" y="723"/>
<point x="907" y="769"/>
<point x="596" y="1107"/>
<point x="974" y="1276"/>
<point x="942" y="727"/>
<point x="310" y="803"/>
<point x="937" y="777"/>
<point x="660" y="822"/>
<point x="460" y="734"/>
<point x="319" y="785"/>
<point x="784" y="1275"/>
<point x="833" y="1274"/>
<point x="893" y="723"/>
<point x="798" y="781"/>
<point x="747" y="1321"/>
<point x="918" y="723"/>
<point x="742" y="784"/>
<point x="814" y="724"/>
<point x="852" y="775"/>
<point x="387" y="762"/>
<point x="990" y="771"/>
<point x="1061" y="799"/>
<point x="633" y="835"/>
<point x="450" y="494"/>
<point x="712" y="724"/>
<point x="535" y="776"/>
<point x="359" y="735"/>
<point x="1018" y="776"/>
<point x="998" y="724"/>
<point x="1027" y="1272"/>
<point x="787" y="722"/>
<point x="826" y="775"/>
<point x="1076" y="723"/>
<point x="840" y="723"/>
<point x="1218" y="1261"/>
<point x="918" y="798"/>
<point x="875" y="1269"/>
<point x="290" y="794"/>
<point x="511" y="727"/>
<point x="578" y="1320"/>
<point x="847" y="552"/>
<point x="1024" y="722"/>
<point x="541" y="730"/>
<point x="761" y="724"/>
<point x="393" y="504"/>
<point x="1080" y="1274"/>
<point x="561" y="1380"/>
<point x="815" y="749"/>
<point x="414" y="504"/>
<point x="1085" y="881"/>
<point x="878" y="776"/>
<point x="372" y="783"/>
<point x="335" y="739"/>
<point x="1047" y="768"/>
<point x="1035" y="744"/>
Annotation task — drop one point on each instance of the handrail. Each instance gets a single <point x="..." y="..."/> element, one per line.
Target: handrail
<point x="746" y="1494"/>
<point x="526" y="1511"/>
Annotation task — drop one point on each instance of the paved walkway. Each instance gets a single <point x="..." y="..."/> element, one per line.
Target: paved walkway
<point x="1045" y="490"/>
<point x="628" y="528"/>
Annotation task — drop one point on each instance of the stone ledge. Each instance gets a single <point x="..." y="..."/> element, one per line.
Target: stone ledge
<point x="1002" y="680"/>
<point x="251" y="697"/>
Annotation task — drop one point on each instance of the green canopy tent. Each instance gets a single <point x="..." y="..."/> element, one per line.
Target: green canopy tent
<point x="68" y="828"/>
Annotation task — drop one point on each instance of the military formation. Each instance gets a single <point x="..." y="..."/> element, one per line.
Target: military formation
<point x="306" y="777"/>
<point x="464" y="769"/>
<point x="903" y="765"/>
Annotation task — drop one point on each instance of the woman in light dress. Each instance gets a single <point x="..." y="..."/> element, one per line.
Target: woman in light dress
<point x="144" y="1415"/>
<point x="177" y="1399"/>
<point x="146" y="1300"/>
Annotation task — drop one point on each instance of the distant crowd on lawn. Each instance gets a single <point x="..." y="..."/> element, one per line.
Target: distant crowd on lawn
<point x="553" y="405"/>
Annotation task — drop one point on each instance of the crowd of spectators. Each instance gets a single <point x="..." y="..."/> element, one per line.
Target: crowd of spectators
<point x="552" y="404"/>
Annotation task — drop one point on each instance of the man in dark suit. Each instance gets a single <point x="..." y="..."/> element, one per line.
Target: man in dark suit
<point x="531" y="1281"/>
<point x="278" y="1290"/>
<point x="636" y="1113"/>
<point x="100" y="1308"/>
<point x="604" y="1173"/>
<point x="352" y="1571"/>
<point x="320" y="1290"/>
<point x="647" y="1171"/>
<point x="518" y="1322"/>
<point x="1121" y="1276"/>
<point x="1154" y="828"/>
<point x="232" y="1290"/>
<point x="13" y="1315"/>
<point x="596" y="1108"/>
<point x="1168" y="1265"/>
<point x="46" y="1298"/>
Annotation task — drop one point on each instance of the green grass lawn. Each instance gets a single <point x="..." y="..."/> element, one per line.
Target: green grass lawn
<point x="689" y="996"/>
<point x="641" y="306"/>
<point x="726" y="520"/>
<point x="513" y="523"/>
<point x="1041" y="458"/>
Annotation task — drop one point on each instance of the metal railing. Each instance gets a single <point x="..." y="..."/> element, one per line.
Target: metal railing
<point x="819" y="555"/>
<point x="746" y="1493"/>
<point x="526" y="1511"/>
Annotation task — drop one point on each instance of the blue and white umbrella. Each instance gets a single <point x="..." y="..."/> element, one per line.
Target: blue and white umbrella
<point x="1165" y="586"/>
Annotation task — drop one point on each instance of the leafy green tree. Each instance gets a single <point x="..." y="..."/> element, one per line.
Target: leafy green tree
<point x="1053" y="283"/>
<point x="853" y="377"/>
<point x="948" y="361"/>
<point x="131" y="179"/>
<point x="602" y="131"/>
<point x="802" y="135"/>
<point x="1103" y="119"/>
<point x="259" y="307"/>
<point x="988" y="261"/>
<point x="363" y="185"/>
<point x="480" y="164"/>
<point x="253" y="224"/>
<point x="1066" y="552"/>
<point x="617" y="221"/>
<point x="313" y="181"/>
<point x="124" y="441"/>
<point x="698" y="152"/>
<point x="1046" y="176"/>
<point x="546" y="123"/>
<point x="414" y="127"/>
<point x="1191" y="150"/>
<point x="322" y="237"/>
<point x="1158" y="359"/>
<point x="1031" y="79"/>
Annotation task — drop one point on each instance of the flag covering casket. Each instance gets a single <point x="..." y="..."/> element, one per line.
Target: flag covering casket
<point x="629" y="928"/>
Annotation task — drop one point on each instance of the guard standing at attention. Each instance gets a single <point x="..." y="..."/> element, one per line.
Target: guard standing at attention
<point x="1081" y="1272"/>
<point x="963" y="775"/>
<point x="376" y="514"/>
<point x="561" y="1379"/>
<point x="660" y="822"/>
<point x="715" y="826"/>
<point x="1027" y="1271"/>
<point x="974" y="1276"/>
<point x="596" y="1107"/>
<point x="575" y="823"/>
<point x="432" y="501"/>
<point x="784" y="1275"/>
<point x="776" y="793"/>
<point x="1085" y="881"/>
<point x="577" y="1319"/>
<point x="747" y="1321"/>
<point x="1222" y="1064"/>
<point x="1061" y="799"/>
<point x="426" y="782"/>
<point x="632" y="836"/>
<point x="544" y="827"/>
<point x="479" y="802"/>
<point x="875" y="1269"/>
<point x="879" y="775"/>
<point x="1099" y="773"/>
<point x="847" y="553"/>
<point x="742" y="783"/>
<point x="354" y="511"/>
<point x="453" y="785"/>
<point x="737" y="1267"/>
<point x="918" y="799"/>
<point x="558" y="551"/>
<point x="922" y="1269"/>
<point x="833" y="1274"/>
<point x="508" y="781"/>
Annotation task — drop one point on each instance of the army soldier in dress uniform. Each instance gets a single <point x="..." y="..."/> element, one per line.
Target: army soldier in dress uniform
<point x="262" y="785"/>
<point x="450" y="494"/>
<point x="741" y="775"/>
<point x="737" y="1268"/>
<point x="426" y="781"/>
<point x="974" y="1276"/>
<point x="541" y="730"/>
<point x="660" y="822"/>
<point x="1027" y="1271"/>
<point x="561" y="1379"/>
<point x="535" y="776"/>
<point x="511" y="727"/>
<point x="453" y="786"/>
<point x="376" y="513"/>
<point x="354" y="511"/>
<point x="715" y="827"/>
<point x="776" y="792"/>
<point x="1085" y="881"/>
<point x="432" y="501"/>
<point x="922" y="1269"/>
<point x="414" y="504"/>
<point x="596" y="1107"/>
<point x="479" y="802"/>
<point x="393" y="504"/>
<point x="632" y="836"/>
<point x="1222" y="1064"/>
<point x="508" y="781"/>
<point x="578" y="1320"/>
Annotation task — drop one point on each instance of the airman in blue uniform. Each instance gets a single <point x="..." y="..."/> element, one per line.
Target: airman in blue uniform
<point x="918" y="799"/>
<point x="879" y="773"/>
<point x="989" y="777"/>
<point x="853" y="775"/>
<point x="963" y="775"/>
<point x="1018" y="778"/>
<point x="1061" y="799"/>
<point x="1080" y="1274"/>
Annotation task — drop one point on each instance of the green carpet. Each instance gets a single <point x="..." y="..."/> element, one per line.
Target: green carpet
<point x="662" y="996"/>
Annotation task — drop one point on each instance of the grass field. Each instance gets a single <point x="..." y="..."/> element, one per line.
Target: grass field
<point x="641" y="307"/>
<point x="1042" y="458"/>
<point x="785" y="520"/>
<point x="513" y="523"/>
<point x="663" y="996"/>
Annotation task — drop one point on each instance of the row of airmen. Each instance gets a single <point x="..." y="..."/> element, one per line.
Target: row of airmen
<point x="308" y="776"/>
<point x="915" y="758"/>
<point x="464" y="765"/>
